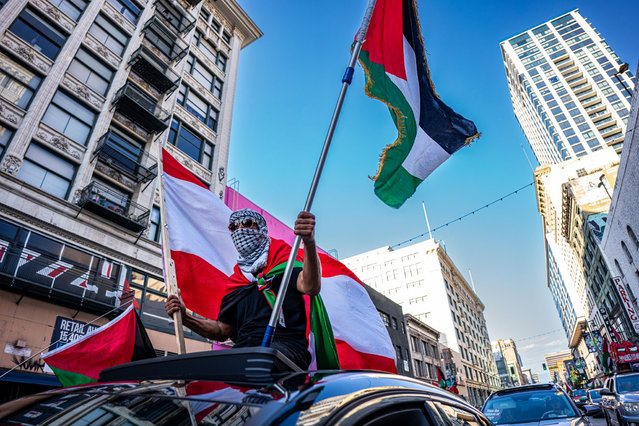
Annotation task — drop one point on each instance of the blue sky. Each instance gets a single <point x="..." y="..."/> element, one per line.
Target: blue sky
<point x="287" y="87"/>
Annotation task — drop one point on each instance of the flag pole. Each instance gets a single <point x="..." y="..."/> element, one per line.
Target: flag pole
<point x="167" y="262"/>
<point x="346" y="81"/>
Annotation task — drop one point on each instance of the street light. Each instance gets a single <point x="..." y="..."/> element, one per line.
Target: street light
<point x="622" y="69"/>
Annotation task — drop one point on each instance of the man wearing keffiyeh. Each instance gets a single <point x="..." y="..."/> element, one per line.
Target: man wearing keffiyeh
<point x="245" y="311"/>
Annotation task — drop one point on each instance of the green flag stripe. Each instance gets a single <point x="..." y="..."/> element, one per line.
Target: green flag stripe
<point x="69" y="378"/>
<point x="380" y="86"/>
<point x="325" y="348"/>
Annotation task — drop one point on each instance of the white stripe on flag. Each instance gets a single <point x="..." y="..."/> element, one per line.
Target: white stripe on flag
<point x="198" y="223"/>
<point x="354" y="318"/>
<point x="426" y="154"/>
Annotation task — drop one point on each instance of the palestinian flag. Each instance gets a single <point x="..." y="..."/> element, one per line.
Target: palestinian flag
<point x="397" y="74"/>
<point x="441" y="379"/>
<point x="344" y="328"/>
<point x="605" y="357"/>
<point x="122" y="340"/>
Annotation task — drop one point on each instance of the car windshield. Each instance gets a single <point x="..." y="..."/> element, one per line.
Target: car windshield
<point x="579" y="392"/>
<point x="594" y="394"/>
<point x="627" y="384"/>
<point x="528" y="406"/>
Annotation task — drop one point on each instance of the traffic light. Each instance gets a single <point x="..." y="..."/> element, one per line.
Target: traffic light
<point x="544" y="365"/>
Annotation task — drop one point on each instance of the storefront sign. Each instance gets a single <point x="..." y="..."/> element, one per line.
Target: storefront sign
<point x="627" y="303"/>
<point x="594" y="341"/>
<point x="606" y="320"/>
<point x="67" y="330"/>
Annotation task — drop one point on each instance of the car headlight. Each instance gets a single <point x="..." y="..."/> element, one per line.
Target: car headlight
<point x="630" y="407"/>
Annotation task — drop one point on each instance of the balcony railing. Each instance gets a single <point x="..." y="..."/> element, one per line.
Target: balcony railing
<point x="152" y="70"/>
<point x="108" y="204"/>
<point x="114" y="150"/>
<point x="175" y="16"/>
<point x="133" y="103"/>
<point x="164" y="40"/>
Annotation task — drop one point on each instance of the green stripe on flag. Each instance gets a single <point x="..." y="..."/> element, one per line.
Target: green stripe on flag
<point x="325" y="348"/>
<point x="393" y="184"/>
<point x="69" y="378"/>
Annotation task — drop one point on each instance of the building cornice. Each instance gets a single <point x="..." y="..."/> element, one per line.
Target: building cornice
<point x="240" y="20"/>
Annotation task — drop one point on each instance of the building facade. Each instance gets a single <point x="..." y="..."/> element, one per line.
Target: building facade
<point x="426" y="283"/>
<point x="566" y="89"/>
<point x="620" y="241"/>
<point x="512" y="361"/>
<point x="425" y="349"/>
<point x="393" y="318"/>
<point x="90" y="90"/>
<point x="555" y="364"/>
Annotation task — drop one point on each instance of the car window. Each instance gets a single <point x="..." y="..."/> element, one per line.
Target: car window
<point x="449" y="415"/>
<point x="529" y="406"/>
<point x="594" y="394"/>
<point x="627" y="384"/>
<point x="399" y="415"/>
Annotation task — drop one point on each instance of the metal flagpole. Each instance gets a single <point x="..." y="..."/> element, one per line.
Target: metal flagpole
<point x="430" y="234"/>
<point x="167" y="262"/>
<point x="346" y="81"/>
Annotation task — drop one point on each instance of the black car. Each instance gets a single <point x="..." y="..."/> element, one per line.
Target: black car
<point x="252" y="386"/>
<point x="594" y="399"/>
<point x="620" y="399"/>
<point x="534" y="404"/>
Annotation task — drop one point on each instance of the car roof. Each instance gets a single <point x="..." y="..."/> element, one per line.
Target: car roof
<point x="526" y="388"/>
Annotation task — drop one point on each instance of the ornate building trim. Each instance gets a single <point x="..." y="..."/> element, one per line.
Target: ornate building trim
<point x="112" y="13"/>
<point x="101" y="50"/>
<point x="196" y="168"/>
<point x="202" y="91"/>
<point x="130" y="125"/>
<point x="10" y="164"/>
<point x="200" y="127"/>
<point x="83" y="92"/>
<point x="144" y="85"/>
<point x="60" y="143"/>
<point x="114" y="175"/>
<point x="10" y="114"/>
<point x="56" y="15"/>
<point x="25" y="51"/>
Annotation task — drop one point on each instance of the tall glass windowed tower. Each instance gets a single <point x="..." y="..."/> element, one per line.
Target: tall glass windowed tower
<point x="569" y="90"/>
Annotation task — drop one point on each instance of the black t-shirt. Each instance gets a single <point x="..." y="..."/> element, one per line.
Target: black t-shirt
<point x="247" y="310"/>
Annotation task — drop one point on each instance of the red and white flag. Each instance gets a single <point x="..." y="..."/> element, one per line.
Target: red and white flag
<point x="204" y="257"/>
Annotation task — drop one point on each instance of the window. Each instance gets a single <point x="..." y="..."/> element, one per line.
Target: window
<point x="632" y="236"/>
<point x="198" y="107"/>
<point x="38" y="33"/>
<point x="114" y="199"/>
<point x="72" y="8"/>
<point x="17" y="83"/>
<point x="47" y="171"/>
<point x="109" y="35"/>
<point x="124" y="152"/>
<point x="210" y="51"/>
<point x="154" y="228"/>
<point x="191" y="144"/>
<point x="226" y="37"/>
<point x="5" y="137"/>
<point x="92" y="72"/>
<point x="67" y="116"/>
<point x="394" y="323"/>
<point x="385" y="318"/>
<point x="624" y="247"/>
<point x="205" y="77"/>
<point x="129" y="9"/>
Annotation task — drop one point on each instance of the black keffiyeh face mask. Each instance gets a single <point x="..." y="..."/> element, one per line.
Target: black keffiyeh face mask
<point x="252" y="244"/>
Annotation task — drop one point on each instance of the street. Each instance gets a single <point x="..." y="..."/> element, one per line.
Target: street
<point x="598" y="421"/>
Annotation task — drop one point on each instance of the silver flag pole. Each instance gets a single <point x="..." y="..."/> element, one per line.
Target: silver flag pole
<point x="346" y="81"/>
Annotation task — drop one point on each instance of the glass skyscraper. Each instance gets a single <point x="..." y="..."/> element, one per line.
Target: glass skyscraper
<point x="566" y="89"/>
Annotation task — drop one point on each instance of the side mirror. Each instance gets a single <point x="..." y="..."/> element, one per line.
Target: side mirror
<point x="605" y="391"/>
<point x="590" y="410"/>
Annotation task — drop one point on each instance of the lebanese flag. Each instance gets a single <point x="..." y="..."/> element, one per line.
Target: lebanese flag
<point x="205" y="256"/>
<point x="122" y="340"/>
<point x="396" y="73"/>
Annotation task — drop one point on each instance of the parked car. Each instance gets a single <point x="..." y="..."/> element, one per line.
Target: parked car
<point x="620" y="399"/>
<point x="594" y="399"/>
<point x="219" y="389"/>
<point x="538" y="403"/>
<point x="579" y="396"/>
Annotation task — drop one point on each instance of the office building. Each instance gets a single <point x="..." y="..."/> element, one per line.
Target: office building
<point x="620" y="241"/>
<point x="425" y="349"/>
<point x="555" y="363"/>
<point x="567" y="91"/>
<point x="90" y="89"/>
<point x="512" y="360"/>
<point x="423" y="279"/>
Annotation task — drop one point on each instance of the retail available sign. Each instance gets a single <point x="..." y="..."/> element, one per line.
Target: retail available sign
<point x="67" y="330"/>
<point x="627" y="303"/>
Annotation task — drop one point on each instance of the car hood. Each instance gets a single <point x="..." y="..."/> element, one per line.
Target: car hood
<point x="630" y="397"/>
<point x="574" y="421"/>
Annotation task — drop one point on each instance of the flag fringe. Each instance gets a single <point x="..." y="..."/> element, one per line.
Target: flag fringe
<point x="472" y="138"/>
<point x="401" y="127"/>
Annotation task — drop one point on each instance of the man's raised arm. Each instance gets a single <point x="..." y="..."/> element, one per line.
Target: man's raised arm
<point x="214" y="330"/>
<point x="310" y="280"/>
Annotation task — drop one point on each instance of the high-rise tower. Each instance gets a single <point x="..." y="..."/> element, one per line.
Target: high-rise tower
<point x="568" y="93"/>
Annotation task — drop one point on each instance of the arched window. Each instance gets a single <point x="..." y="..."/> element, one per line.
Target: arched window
<point x="624" y="247"/>
<point x="619" y="267"/>
<point x="633" y="237"/>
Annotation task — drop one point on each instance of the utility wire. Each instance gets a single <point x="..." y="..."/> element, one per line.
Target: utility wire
<point x="466" y="215"/>
<point x="538" y="335"/>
